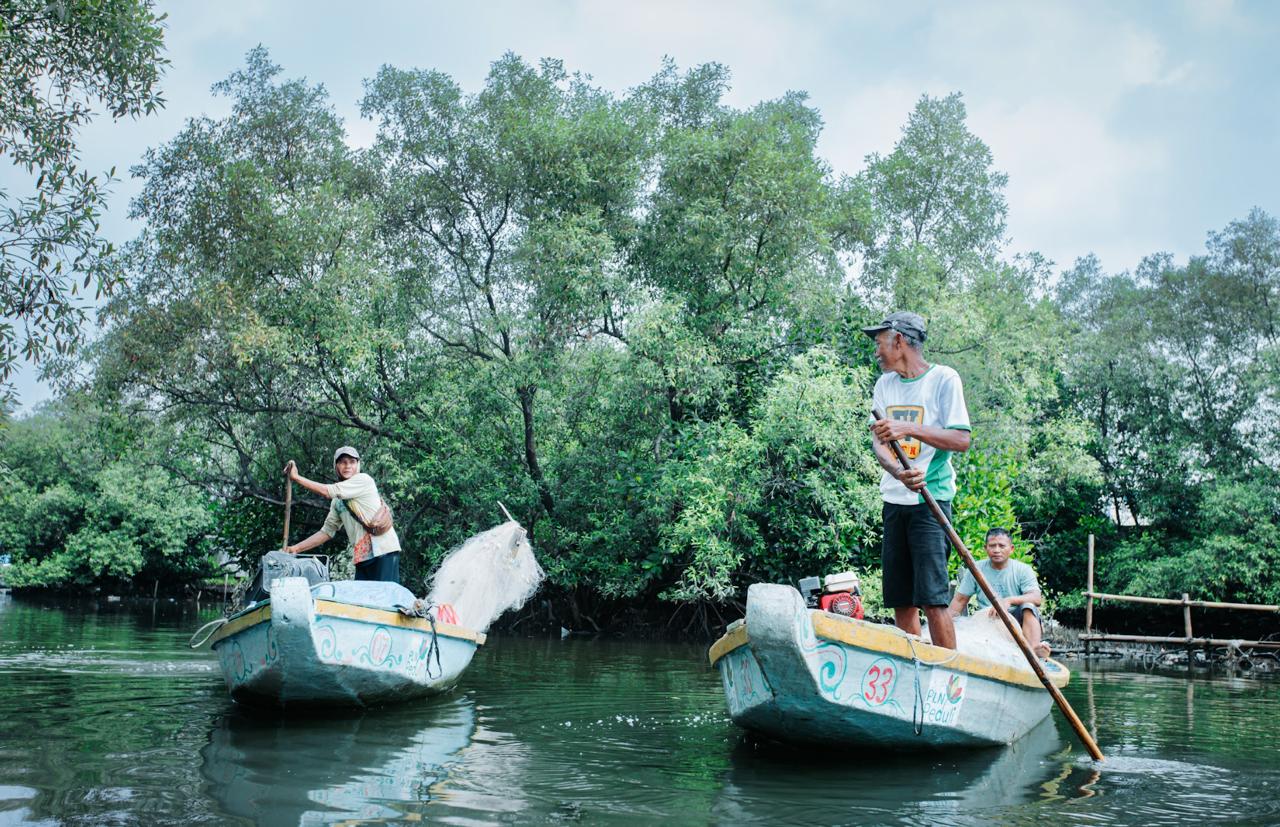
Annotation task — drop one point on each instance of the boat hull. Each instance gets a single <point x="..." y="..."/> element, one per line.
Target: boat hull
<point x="802" y="675"/>
<point x="298" y="650"/>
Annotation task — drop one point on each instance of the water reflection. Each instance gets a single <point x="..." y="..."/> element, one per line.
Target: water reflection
<point x="769" y="781"/>
<point x="372" y="767"/>
<point x="107" y="718"/>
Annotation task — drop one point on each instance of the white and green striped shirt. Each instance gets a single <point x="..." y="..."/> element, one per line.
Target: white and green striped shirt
<point x="935" y="399"/>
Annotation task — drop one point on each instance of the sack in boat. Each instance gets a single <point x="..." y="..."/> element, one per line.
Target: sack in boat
<point x="277" y="564"/>
<point x="379" y="523"/>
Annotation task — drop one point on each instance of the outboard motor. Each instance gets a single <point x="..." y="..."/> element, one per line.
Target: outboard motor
<point x="838" y="594"/>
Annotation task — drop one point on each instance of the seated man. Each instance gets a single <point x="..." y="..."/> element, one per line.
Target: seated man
<point x="1014" y="582"/>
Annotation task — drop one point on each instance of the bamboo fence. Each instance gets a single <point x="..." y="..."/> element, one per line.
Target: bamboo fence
<point x="1187" y="604"/>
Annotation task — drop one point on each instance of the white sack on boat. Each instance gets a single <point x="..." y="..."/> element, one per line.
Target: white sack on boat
<point x="984" y="636"/>
<point x="491" y="573"/>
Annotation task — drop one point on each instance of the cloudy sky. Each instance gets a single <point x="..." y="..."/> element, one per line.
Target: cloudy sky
<point x="1125" y="128"/>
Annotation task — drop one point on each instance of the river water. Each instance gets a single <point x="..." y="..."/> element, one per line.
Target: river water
<point x="106" y="718"/>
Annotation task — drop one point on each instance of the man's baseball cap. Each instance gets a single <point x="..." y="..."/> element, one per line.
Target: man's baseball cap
<point x="905" y="322"/>
<point x="345" y="451"/>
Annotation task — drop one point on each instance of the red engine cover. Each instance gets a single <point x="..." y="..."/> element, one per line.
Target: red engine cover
<point x="842" y="603"/>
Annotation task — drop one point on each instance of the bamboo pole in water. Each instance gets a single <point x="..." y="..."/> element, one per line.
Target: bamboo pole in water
<point x="1186" y="622"/>
<point x="1088" y="611"/>
<point x="1059" y="699"/>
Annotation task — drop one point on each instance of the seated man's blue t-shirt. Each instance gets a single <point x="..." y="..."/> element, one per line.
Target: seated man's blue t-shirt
<point x="1016" y="578"/>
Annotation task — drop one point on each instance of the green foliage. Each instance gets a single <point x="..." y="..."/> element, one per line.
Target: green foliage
<point x="871" y="584"/>
<point x="984" y="500"/>
<point x="794" y="495"/>
<point x="820" y="502"/>
<point x="1189" y="396"/>
<point x="1230" y="556"/>
<point x="938" y="207"/>
<point x="57" y="62"/>
<point x="633" y="319"/>
<point x="108" y="515"/>
<point x="242" y="530"/>
<point x="712" y="487"/>
<point x="1173" y="371"/>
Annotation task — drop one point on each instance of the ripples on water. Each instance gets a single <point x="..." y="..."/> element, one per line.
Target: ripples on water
<point x="107" y="718"/>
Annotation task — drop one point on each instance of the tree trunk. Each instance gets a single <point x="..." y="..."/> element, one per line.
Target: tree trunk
<point x="526" y="395"/>
<point x="675" y="409"/>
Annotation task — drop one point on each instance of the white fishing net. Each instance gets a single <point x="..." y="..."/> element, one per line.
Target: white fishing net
<point x="491" y="573"/>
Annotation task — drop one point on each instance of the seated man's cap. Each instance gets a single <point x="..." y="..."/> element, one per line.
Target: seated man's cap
<point x="905" y="322"/>
<point x="345" y="450"/>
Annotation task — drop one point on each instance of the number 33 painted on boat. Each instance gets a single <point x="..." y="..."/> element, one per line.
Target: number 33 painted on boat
<point x="878" y="681"/>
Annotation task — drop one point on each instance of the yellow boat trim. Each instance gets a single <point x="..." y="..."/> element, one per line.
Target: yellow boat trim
<point x="241" y="623"/>
<point x="364" y="614"/>
<point x="732" y="640"/>
<point x="388" y="618"/>
<point x="887" y="640"/>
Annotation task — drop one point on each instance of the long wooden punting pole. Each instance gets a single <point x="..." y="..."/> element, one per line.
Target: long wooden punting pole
<point x="288" y="506"/>
<point x="1013" y="628"/>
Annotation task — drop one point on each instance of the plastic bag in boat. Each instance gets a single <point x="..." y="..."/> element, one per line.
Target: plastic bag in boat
<point x="277" y="564"/>
<point x="491" y="573"/>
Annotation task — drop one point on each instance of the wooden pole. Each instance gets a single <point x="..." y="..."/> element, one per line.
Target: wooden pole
<point x="1196" y="604"/>
<point x="288" y="506"/>
<point x="1199" y="641"/>
<point x="1186" y="622"/>
<point x="1003" y="613"/>
<point x="1088" y="609"/>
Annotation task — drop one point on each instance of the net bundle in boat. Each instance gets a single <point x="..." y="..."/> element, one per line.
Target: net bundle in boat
<point x="491" y="573"/>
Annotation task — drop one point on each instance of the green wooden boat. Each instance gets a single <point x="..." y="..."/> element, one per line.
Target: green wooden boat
<point x="797" y="674"/>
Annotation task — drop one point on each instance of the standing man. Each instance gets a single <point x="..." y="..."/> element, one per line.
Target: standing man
<point x="354" y="503"/>
<point x="1013" y="581"/>
<point x="925" y="412"/>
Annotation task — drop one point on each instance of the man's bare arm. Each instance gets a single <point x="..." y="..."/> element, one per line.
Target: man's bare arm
<point x="913" y="478"/>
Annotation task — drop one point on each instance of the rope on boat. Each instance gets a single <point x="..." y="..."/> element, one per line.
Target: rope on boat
<point x="917" y="706"/>
<point x="215" y="624"/>
<point x="421" y="608"/>
<point x="433" y="647"/>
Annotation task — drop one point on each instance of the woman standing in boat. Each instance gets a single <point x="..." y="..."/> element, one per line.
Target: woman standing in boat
<point x="356" y="507"/>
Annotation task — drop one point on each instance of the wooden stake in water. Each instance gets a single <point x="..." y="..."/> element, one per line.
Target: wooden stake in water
<point x="1088" y="612"/>
<point x="1013" y="628"/>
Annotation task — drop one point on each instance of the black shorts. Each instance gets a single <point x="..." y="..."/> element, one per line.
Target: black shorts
<point x="385" y="568"/>
<point x="914" y="556"/>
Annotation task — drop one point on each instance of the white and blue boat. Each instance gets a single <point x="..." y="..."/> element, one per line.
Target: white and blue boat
<point x="341" y="643"/>
<point x="797" y="674"/>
